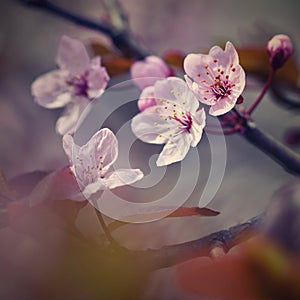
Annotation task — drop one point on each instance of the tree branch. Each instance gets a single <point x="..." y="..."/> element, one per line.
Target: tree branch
<point x="174" y="254"/>
<point x="289" y="160"/>
<point x="121" y="38"/>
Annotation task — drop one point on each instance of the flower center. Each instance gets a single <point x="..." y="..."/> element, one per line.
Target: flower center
<point x="80" y="85"/>
<point x="185" y="120"/>
<point x="221" y="89"/>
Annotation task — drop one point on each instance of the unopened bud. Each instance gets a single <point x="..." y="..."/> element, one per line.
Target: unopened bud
<point x="280" y="48"/>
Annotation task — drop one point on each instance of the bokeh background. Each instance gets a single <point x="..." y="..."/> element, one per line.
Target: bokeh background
<point x="28" y="44"/>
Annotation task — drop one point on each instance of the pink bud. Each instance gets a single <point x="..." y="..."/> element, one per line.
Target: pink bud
<point x="145" y="73"/>
<point x="280" y="48"/>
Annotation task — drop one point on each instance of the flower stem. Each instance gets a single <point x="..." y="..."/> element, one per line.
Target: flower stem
<point x="262" y="93"/>
<point x="107" y="233"/>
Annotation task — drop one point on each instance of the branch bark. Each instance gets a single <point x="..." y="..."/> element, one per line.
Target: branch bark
<point x="288" y="159"/>
<point x="171" y="255"/>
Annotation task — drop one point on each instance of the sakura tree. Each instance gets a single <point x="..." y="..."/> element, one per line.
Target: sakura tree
<point x="182" y="103"/>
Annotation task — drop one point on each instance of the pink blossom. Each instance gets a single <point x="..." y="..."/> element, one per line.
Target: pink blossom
<point x="175" y="120"/>
<point x="146" y="73"/>
<point x="217" y="79"/>
<point x="280" y="48"/>
<point x="78" y="81"/>
<point x="92" y="161"/>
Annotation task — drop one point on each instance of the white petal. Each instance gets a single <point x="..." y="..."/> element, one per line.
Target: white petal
<point x="175" y="150"/>
<point x="197" y="128"/>
<point x="123" y="177"/>
<point x="103" y="148"/>
<point x="93" y="188"/>
<point x="68" y="121"/>
<point x="152" y="126"/>
<point x="51" y="90"/>
<point x="176" y="90"/>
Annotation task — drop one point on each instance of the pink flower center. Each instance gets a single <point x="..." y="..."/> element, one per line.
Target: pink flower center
<point x="186" y="121"/>
<point x="220" y="89"/>
<point x="80" y="85"/>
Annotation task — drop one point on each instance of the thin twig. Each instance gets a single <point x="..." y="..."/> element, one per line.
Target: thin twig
<point x="262" y="93"/>
<point x="107" y="233"/>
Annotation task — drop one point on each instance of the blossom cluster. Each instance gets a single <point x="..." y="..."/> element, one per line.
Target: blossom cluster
<point x="172" y="110"/>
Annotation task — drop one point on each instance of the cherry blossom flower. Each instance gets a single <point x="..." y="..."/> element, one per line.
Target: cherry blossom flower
<point x="280" y="48"/>
<point x="217" y="79"/>
<point x="78" y="81"/>
<point x="91" y="162"/>
<point x="175" y="120"/>
<point x="146" y="73"/>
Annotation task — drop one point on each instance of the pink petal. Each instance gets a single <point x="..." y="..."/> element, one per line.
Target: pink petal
<point x="51" y="90"/>
<point x="222" y="106"/>
<point x="147" y="98"/>
<point x="146" y="73"/>
<point x="72" y="56"/>
<point x="97" y="78"/>
<point x="69" y="119"/>
<point x="175" y="150"/>
<point x="123" y="177"/>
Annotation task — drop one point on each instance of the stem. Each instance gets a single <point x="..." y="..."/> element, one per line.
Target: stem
<point x="107" y="233"/>
<point x="262" y="93"/>
<point x="121" y="38"/>
<point x="174" y="254"/>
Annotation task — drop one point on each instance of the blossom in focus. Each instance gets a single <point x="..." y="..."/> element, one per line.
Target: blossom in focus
<point x="78" y="81"/>
<point x="145" y="73"/>
<point x="91" y="162"/>
<point x="280" y="48"/>
<point x="175" y="120"/>
<point x="216" y="78"/>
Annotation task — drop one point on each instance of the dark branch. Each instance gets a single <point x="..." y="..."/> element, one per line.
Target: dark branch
<point x="122" y="39"/>
<point x="289" y="160"/>
<point x="171" y="255"/>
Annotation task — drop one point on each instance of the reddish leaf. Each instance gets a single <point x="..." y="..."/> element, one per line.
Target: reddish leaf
<point x="100" y="49"/>
<point x="174" y="57"/>
<point x="165" y="213"/>
<point x="116" y="65"/>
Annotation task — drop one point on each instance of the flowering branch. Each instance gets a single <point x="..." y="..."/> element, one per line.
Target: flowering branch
<point x="120" y="36"/>
<point x="226" y="239"/>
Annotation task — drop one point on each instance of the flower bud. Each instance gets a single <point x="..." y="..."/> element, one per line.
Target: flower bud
<point x="280" y="48"/>
<point x="145" y="73"/>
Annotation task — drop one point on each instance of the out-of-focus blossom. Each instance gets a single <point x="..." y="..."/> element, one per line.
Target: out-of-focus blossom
<point x="146" y="73"/>
<point x="147" y="98"/>
<point x="217" y="79"/>
<point x="175" y="120"/>
<point x="280" y="48"/>
<point x="78" y="81"/>
<point x="92" y="161"/>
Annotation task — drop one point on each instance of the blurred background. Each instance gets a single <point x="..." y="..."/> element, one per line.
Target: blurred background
<point x="28" y="43"/>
